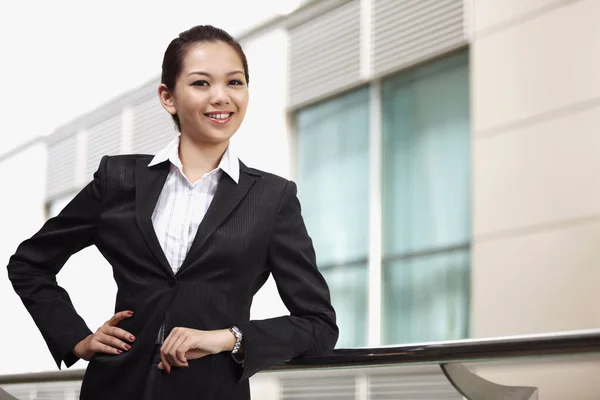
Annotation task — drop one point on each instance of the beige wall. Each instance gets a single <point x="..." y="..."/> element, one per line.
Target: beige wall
<point x="536" y="173"/>
<point x="536" y="179"/>
<point x="556" y="378"/>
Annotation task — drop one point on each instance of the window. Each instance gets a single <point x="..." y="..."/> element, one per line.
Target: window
<point x="426" y="203"/>
<point x="333" y="170"/>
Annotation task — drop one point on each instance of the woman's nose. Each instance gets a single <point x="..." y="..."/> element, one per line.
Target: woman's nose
<point x="219" y="95"/>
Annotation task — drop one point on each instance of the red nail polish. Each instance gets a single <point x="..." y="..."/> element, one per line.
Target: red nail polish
<point x="120" y="351"/>
<point x="128" y="347"/>
<point x="130" y="312"/>
<point x="132" y="338"/>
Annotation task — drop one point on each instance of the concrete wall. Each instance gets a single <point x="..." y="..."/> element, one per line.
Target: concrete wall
<point x="536" y="148"/>
<point x="536" y="159"/>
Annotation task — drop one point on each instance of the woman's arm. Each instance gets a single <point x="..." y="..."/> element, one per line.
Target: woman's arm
<point x="311" y="326"/>
<point x="33" y="268"/>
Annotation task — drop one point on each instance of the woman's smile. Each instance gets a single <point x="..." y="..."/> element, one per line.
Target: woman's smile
<point x="219" y="117"/>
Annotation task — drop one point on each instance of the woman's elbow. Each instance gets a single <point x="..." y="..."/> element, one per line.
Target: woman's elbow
<point x="328" y="338"/>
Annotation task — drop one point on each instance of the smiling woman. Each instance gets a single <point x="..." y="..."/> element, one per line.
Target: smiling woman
<point x="192" y="234"/>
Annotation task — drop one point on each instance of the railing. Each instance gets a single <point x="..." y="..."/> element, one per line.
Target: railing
<point x="451" y="356"/>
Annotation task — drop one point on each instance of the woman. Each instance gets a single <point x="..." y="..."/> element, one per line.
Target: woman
<point x="192" y="234"/>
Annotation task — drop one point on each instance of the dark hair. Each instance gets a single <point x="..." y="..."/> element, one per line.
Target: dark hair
<point x="177" y="49"/>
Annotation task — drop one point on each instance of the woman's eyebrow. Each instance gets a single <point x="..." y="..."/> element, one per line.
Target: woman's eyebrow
<point x="210" y="76"/>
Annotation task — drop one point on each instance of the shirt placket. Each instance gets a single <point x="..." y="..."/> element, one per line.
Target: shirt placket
<point x="185" y="222"/>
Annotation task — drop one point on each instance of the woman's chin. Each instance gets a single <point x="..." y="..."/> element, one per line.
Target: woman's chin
<point x="214" y="138"/>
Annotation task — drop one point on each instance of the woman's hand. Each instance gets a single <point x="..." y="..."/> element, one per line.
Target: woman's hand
<point x="185" y="344"/>
<point x="106" y="339"/>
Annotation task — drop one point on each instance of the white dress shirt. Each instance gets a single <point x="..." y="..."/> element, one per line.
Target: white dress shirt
<point x="182" y="204"/>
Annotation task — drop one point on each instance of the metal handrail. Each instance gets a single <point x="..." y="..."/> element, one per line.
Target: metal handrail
<point x="467" y="350"/>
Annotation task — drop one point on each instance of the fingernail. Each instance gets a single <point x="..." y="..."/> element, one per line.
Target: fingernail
<point x="128" y="347"/>
<point x="130" y="312"/>
<point x="120" y="351"/>
<point x="132" y="338"/>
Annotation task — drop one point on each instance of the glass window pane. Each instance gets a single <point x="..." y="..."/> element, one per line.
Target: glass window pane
<point x="333" y="171"/>
<point x="426" y="158"/>
<point x="349" y="285"/>
<point x="426" y="298"/>
<point x="426" y="202"/>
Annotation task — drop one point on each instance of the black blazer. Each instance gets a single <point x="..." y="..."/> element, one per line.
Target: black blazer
<point x="252" y="229"/>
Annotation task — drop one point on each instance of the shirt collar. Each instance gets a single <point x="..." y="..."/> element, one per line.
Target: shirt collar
<point x="229" y="163"/>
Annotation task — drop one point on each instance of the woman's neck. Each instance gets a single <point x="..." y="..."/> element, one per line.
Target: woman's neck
<point x="199" y="158"/>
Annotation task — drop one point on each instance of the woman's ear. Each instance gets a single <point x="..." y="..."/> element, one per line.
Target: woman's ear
<point x="166" y="99"/>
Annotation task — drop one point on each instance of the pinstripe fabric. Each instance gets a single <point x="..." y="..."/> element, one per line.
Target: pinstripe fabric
<point x="251" y="229"/>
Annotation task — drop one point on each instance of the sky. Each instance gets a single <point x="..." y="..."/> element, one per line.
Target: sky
<point x="62" y="58"/>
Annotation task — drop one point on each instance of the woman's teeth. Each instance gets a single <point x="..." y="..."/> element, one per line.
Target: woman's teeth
<point x="219" y="116"/>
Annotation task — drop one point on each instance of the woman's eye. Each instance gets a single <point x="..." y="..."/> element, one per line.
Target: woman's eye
<point x="236" y="82"/>
<point x="200" y="83"/>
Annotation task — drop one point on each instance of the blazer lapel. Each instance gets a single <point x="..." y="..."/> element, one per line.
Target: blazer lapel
<point x="227" y="197"/>
<point x="149" y="182"/>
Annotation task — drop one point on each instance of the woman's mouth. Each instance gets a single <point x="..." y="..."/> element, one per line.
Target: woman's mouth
<point x="219" y="117"/>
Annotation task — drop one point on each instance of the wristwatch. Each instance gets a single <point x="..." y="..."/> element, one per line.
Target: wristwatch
<point x="238" y="338"/>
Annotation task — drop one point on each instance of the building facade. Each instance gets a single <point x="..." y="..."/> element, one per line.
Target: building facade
<point x="445" y="153"/>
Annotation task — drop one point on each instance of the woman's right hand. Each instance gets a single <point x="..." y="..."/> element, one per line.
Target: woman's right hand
<point x="108" y="339"/>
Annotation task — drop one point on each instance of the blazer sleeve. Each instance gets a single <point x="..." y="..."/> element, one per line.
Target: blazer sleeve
<point x="36" y="262"/>
<point x="311" y="328"/>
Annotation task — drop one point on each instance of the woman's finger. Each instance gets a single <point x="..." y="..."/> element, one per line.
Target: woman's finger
<point x="163" y="355"/>
<point x="170" y="346"/>
<point x="117" y="332"/>
<point x="178" y="351"/>
<point x="99" y="347"/>
<point x="111" y="341"/>
<point x="120" y="316"/>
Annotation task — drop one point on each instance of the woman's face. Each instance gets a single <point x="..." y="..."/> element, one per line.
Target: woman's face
<point x="211" y="93"/>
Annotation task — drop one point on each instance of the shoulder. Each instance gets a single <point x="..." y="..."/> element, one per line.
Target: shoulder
<point x="117" y="172"/>
<point x="272" y="185"/>
<point x="268" y="179"/>
<point x="117" y="163"/>
<point x="127" y="159"/>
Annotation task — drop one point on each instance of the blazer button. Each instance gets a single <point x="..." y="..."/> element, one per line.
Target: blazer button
<point x="172" y="283"/>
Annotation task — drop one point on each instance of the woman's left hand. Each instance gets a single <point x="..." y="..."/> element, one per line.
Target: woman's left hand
<point x="185" y="344"/>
